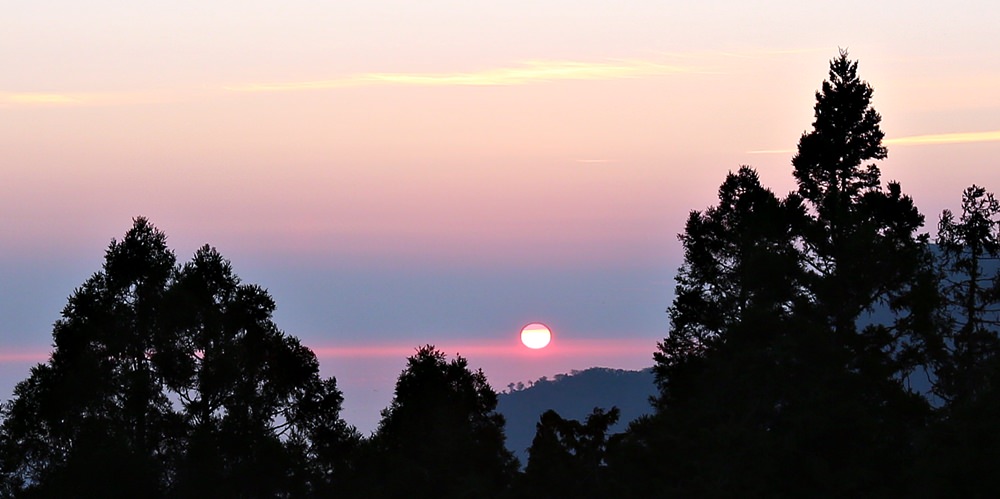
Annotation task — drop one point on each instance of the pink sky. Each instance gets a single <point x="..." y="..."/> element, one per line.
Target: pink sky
<point x="390" y="169"/>
<point x="605" y="150"/>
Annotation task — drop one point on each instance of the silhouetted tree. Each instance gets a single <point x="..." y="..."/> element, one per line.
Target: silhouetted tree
<point x="325" y="445"/>
<point x="244" y="385"/>
<point x="971" y="294"/>
<point x="94" y="411"/>
<point x="740" y="265"/>
<point x="169" y="380"/>
<point x="732" y="370"/>
<point x="862" y="252"/>
<point x="768" y="371"/>
<point x="441" y="436"/>
<point x="960" y="453"/>
<point x="859" y="243"/>
<point x="567" y="457"/>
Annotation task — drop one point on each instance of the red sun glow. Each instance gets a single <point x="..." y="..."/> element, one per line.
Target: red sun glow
<point x="536" y="335"/>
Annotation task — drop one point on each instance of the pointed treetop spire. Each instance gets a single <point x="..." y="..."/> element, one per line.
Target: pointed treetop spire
<point x="845" y="135"/>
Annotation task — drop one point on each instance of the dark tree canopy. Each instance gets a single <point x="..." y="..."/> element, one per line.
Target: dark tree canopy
<point x="774" y="365"/>
<point x="567" y="458"/>
<point x="829" y="166"/>
<point x="96" y="406"/>
<point x="969" y="246"/>
<point x="859" y="243"/>
<point x="960" y="450"/>
<point x="740" y="266"/>
<point x="441" y="436"/>
<point x="168" y="380"/>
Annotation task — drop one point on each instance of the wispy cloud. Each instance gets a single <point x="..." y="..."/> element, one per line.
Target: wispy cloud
<point x="22" y="356"/>
<point x="946" y="138"/>
<point x="528" y="72"/>
<point x="82" y="99"/>
<point x="41" y="99"/>
<point x="918" y="140"/>
<point x="522" y="74"/>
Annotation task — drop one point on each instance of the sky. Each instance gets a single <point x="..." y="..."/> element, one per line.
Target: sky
<point x="400" y="173"/>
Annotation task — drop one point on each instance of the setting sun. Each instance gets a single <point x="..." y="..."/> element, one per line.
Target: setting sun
<point x="536" y="335"/>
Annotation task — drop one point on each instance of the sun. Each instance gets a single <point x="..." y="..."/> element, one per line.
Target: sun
<point x="536" y="335"/>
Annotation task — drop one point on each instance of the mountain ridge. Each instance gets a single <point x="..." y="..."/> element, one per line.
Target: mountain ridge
<point x="574" y="396"/>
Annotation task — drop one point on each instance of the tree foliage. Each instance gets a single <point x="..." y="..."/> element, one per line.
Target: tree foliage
<point x="740" y="266"/>
<point x="859" y="244"/>
<point x="567" y="458"/>
<point x="170" y="380"/>
<point x="441" y="436"/>
<point x="960" y="449"/>
<point x="968" y="245"/>
<point x="776" y="363"/>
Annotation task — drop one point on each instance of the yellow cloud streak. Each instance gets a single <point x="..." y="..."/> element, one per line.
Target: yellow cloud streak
<point x="529" y="72"/>
<point x="39" y="99"/>
<point x="919" y="140"/>
<point x="946" y="138"/>
<point x="42" y="99"/>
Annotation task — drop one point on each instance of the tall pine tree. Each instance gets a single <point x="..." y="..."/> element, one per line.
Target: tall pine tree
<point x="792" y="324"/>
<point x="859" y="242"/>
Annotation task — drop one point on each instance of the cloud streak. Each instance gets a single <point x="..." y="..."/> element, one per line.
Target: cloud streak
<point x="80" y="99"/>
<point x="24" y="356"/>
<point x="480" y="349"/>
<point x="523" y="74"/>
<point x="946" y="138"/>
<point x="559" y="347"/>
<point x="919" y="140"/>
<point x="42" y="99"/>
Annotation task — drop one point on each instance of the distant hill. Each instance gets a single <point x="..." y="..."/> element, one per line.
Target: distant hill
<point x="574" y="396"/>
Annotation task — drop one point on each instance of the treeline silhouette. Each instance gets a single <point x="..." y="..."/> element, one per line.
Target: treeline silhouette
<point x="573" y="395"/>
<point x="778" y="378"/>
